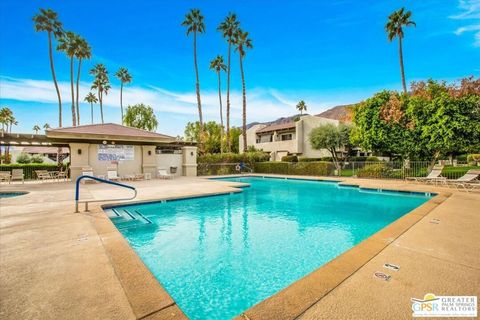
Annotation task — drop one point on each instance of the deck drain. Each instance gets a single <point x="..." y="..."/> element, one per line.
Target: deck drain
<point x="82" y="237"/>
<point x="435" y="221"/>
<point x="382" y="276"/>
<point x="391" y="266"/>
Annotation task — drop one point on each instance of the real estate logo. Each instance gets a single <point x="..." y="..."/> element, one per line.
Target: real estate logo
<point x="444" y="306"/>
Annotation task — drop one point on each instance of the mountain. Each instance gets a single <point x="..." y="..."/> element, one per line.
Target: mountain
<point x="281" y="120"/>
<point x="338" y="113"/>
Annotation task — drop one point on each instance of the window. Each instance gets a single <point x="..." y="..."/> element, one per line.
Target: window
<point x="285" y="137"/>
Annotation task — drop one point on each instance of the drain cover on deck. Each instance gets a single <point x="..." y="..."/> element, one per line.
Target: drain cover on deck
<point x="382" y="276"/>
<point x="391" y="266"/>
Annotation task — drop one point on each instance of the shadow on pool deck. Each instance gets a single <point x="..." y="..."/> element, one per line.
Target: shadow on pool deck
<point x="57" y="264"/>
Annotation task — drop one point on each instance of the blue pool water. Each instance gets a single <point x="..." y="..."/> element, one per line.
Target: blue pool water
<point x="11" y="194"/>
<point x="219" y="255"/>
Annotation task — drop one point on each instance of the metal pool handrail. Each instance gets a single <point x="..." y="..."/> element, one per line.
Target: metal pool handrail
<point x="77" y="191"/>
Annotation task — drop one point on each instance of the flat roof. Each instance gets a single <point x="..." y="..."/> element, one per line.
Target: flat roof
<point x="275" y="127"/>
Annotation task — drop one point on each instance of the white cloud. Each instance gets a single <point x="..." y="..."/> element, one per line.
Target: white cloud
<point x="470" y="10"/>
<point x="263" y="104"/>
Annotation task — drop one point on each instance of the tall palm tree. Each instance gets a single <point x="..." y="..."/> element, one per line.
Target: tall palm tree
<point x="394" y="28"/>
<point x="124" y="77"/>
<point x="91" y="98"/>
<point x="47" y="20"/>
<point x="46" y="126"/>
<point x="83" y="52"/>
<point x="194" y="24"/>
<point x="301" y="106"/>
<point x="228" y="28"/>
<point x="69" y="44"/>
<point x="218" y="66"/>
<point x="101" y="83"/>
<point x="36" y="128"/>
<point x="243" y="42"/>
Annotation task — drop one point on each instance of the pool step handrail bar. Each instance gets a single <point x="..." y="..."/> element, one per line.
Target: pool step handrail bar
<point x="87" y="201"/>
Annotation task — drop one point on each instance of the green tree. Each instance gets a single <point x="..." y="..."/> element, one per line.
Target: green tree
<point x="141" y="116"/>
<point x="394" y="28"/>
<point x="301" y="106"/>
<point x="218" y="66"/>
<point x="124" y="77"/>
<point x="69" y="43"/>
<point x="211" y="135"/>
<point x="235" y="133"/>
<point x="101" y="83"/>
<point x="194" y="24"/>
<point x="36" y="158"/>
<point x="47" y="20"/>
<point x="243" y="42"/>
<point x="23" y="158"/>
<point x="36" y="128"/>
<point x="228" y="27"/>
<point x="330" y="137"/>
<point x="83" y="52"/>
<point x="91" y="98"/>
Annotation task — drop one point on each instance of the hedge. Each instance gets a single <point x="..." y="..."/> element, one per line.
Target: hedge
<point x="473" y="158"/>
<point x="248" y="158"/>
<point x="327" y="159"/>
<point x="296" y="168"/>
<point x="380" y="170"/>
<point x="290" y="159"/>
<point x="29" y="168"/>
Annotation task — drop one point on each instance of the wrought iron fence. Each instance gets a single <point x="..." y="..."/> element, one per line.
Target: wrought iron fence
<point x="29" y="171"/>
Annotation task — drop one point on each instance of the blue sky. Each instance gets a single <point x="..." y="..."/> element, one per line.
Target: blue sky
<point x="324" y="52"/>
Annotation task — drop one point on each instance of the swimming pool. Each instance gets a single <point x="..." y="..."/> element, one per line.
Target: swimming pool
<point x="12" y="194"/>
<point x="219" y="255"/>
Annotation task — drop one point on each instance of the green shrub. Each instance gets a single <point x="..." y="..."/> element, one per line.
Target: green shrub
<point x="29" y="168"/>
<point x="473" y="158"/>
<point x="249" y="158"/>
<point x="309" y="159"/>
<point x="377" y="170"/>
<point x="461" y="158"/>
<point x="372" y="159"/>
<point x="36" y="158"/>
<point x="290" y="159"/>
<point x="295" y="168"/>
<point x="357" y="159"/>
<point x="23" y="158"/>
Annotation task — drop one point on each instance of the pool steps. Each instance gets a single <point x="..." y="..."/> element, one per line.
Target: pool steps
<point x="125" y="219"/>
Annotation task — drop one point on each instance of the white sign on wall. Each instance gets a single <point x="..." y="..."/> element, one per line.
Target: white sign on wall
<point x="114" y="152"/>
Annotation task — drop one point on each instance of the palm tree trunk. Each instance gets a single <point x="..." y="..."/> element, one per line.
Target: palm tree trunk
<point x="74" y="118"/>
<point x="221" y="112"/>
<point x="121" y="102"/>
<point x="402" y="71"/>
<point x="101" y="104"/>
<point x="78" y="82"/>
<point x="229" y="145"/>
<point x="197" y="84"/>
<point x="91" y="110"/>
<point x="244" y="102"/>
<point x="52" y="67"/>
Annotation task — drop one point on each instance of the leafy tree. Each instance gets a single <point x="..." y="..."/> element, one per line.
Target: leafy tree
<point x="243" y="42"/>
<point x="36" y="158"/>
<point x="330" y="137"/>
<point x="394" y="28"/>
<point x="211" y="135"/>
<point x="91" y="98"/>
<point x="47" y="20"/>
<point x="235" y="133"/>
<point x="141" y="116"/>
<point x="194" y="24"/>
<point x="36" y="128"/>
<point x="83" y="52"/>
<point x="101" y="83"/>
<point x="228" y="27"/>
<point x="218" y="66"/>
<point x="23" y="158"/>
<point x="125" y="78"/>
<point x="301" y="106"/>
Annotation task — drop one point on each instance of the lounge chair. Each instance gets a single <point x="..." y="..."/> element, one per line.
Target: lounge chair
<point x="62" y="175"/>
<point x="112" y="175"/>
<point x="466" y="181"/>
<point x="87" y="171"/>
<point x="5" y="176"/>
<point x="163" y="174"/>
<point x="433" y="176"/>
<point x="17" y="174"/>
<point x="43" y="175"/>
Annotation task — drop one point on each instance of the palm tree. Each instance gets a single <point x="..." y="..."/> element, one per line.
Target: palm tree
<point x="194" y="23"/>
<point x="228" y="28"/>
<point x="36" y="128"/>
<point x="301" y="106"/>
<point x="91" y="98"/>
<point x="83" y="52"/>
<point x="69" y="44"/>
<point x="124" y="77"/>
<point x="243" y="42"/>
<point x="47" y="20"/>
<point x="394" y="25"/>
<point x="46" y="126"/>
<point x="101" y="83"/>
<point x="218" y="66"/>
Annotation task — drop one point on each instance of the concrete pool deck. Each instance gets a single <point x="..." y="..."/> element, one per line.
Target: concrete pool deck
<point x="58" y="264"/>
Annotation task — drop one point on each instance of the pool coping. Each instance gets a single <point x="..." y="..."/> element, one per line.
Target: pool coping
<point x="148" y="298"/>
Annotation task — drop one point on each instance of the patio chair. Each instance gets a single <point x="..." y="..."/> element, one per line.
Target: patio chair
<point x="466" y="181"/>
<point x="163" y="174"/>
<point x="62" y="175"/>
<point x="43" y="175"/>
<point x="5" y="176"/>
<point x="433" y="176"/>
<point x="112" y="174"/>
<point x="139" y="176"/>
<point x="17" y="174"/>
<point x="87" y="171"/>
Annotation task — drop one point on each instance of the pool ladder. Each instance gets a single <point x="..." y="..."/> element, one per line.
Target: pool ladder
<point x="86" y="201"/>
